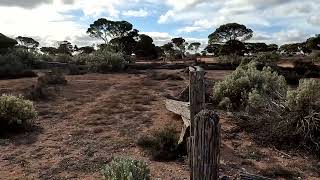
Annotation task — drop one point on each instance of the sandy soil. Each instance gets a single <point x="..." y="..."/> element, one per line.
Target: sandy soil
<point x="97" y="117"/>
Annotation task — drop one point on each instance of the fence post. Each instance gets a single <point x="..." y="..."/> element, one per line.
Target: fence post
<point x="206" y="147"/>
<point x="197" y="103"/>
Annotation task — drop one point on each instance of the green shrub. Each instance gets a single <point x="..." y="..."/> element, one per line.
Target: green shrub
<point x="246" y="85"/>
<point x="104" y="61"/>
<point x="15" y="112"/>
<point x="162" y="145"/>
<point x="126" y="169"/>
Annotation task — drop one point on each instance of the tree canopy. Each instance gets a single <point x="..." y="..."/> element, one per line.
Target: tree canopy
<point x="106" y="29"/>
<point x="27" y="42"/>
<point x="6" y="42"/>
<point x="231" y="31"/>
<point x="313" y="43"/>
<point x="194" y="46"/>
<point x="145" y="47"/>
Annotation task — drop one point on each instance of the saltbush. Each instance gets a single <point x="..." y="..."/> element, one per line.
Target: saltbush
<point x="302" y="117"/>
<point x="238" y="90"/>
<point x="126" y="169"/>
<point x="15" y="112"/>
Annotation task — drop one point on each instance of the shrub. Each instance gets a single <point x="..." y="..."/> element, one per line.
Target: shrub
<point x="267" y="58"/>
<point x="54" y="77"/>
<point x="162" y="145"/>
<point x="74" y="69"/>
<point x="302" y="117"/>
<point x="11" y="66"/>
<point x="105" y="61"/>
<point x="16" y="112"/>
<point x="229" y="59"/>
<point x="63" y="58"/>
<point x="126" y="169"/>
<point x="246" y="85"/>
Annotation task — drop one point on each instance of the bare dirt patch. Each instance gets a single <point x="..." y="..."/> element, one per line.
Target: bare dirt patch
<point x="96" y="117"/>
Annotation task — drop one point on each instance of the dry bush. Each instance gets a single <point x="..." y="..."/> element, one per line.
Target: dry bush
<point x="162" y="145"/>
<point x="45" y="87"/>
<point x="15" y="113"/>
<point x="229" y="59"/>
<point x="302" y="115"/>
<point x="126" y="169"/>
<point x="54" y="77"/>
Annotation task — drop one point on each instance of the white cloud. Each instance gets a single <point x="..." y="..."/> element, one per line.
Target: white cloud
<point x="139" y="13"/>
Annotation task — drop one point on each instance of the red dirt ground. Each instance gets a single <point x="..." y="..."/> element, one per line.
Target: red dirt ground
<point x="96" y="117"/>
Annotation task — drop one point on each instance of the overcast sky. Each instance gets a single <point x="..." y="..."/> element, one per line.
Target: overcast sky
<point x="48" y="21"/>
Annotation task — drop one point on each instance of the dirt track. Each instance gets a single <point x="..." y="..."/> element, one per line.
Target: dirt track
<point x="96" y="117"/>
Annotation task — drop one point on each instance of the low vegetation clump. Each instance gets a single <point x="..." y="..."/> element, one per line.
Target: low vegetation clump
<point x="229" y="59"/>
<point x="162" y="145"/>
<point x="302" y="115"/>
<point x="263" y="105"/>
<point x="126" y="169"/>
<point x="104" y="61"/>
<point x="54" y="77"/>
<point x="267" y="58"/>
<point x="14" y="66"/>
<point x="246" y="84"/>
<point x="45" y="87"/>
<point x="15" y="113"/>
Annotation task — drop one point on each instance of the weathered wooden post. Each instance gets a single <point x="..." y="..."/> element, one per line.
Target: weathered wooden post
<point x="197" y="103"/>
<point x="206" y="147"/>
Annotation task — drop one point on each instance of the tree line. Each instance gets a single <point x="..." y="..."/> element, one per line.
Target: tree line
<point x="122" y="37"/>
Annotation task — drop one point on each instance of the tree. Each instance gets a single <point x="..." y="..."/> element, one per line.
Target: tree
<point x="65" y="47"/>
<point x="6" y="42"/>
<point x="85" y="50"/>
<point x="313" y="43"/>
<point x="231" y="31"/>
<point x="273" y="47"/>
<point x="49" y="50"/>
<point x="28" y="42"/>
<point x="179" y="44"/>
<point x="233" y="47"/>
<point x="101" y="29"/>
<point x="214" y="49"/>
<point x="256" y="47"/>
<point x="105" y="29"/>
<point x="294" y="48"/>
<point x="145" y="47"/>
<point x="126" y="42"/>
<point x="194" y="47"/>
<point x="168" y="49"/>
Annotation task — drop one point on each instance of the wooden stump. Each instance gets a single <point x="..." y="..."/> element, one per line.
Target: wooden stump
<point x="206" y="146"/>
<point x="197" y="103"/>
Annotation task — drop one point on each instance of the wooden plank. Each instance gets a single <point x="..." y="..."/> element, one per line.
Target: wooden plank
<point x="178" y="107"/>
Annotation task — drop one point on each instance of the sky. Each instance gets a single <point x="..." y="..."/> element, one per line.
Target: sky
<point x="50" y="21"/>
